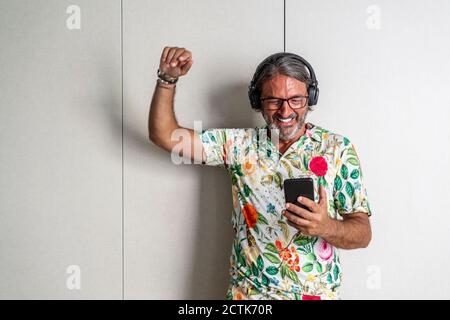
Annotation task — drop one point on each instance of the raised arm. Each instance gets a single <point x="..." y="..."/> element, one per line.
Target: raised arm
<point x="162" y="123"/>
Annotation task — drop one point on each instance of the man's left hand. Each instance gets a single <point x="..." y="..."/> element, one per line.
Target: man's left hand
<point x="315" y="222"/>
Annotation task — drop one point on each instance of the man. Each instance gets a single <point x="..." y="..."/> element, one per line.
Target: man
<point x="280" y="250"/>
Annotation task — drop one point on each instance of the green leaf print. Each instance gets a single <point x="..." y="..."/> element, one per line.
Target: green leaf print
<point x="319" y="267"/>
<point x="260" y="263"/>
<point x="311" y="257"/>
<point x="253" y="291"/>
<point x="296" y="295"/>
<point x="329" y="278"/>
<point x="353" y="161"/>
<point x="338" y="183"/>
<point x="224" y="137"/>
<point x="292" y="275"/>
<point x="307" y="267"/>
<point x="261" y="219"/>
<point x="349" y="189"/>
<point x="239" y="257"/>
<point x="272" y="258"/>
<point x="288" y="168"/>
<point x="314" y="240"/>
<point x="248" y="273"/>
<point x="344" y="171"/>
<point x="247" y="190"/>
<point x="284" y="227"/>
<point x="247" y="150"/>
<point x="241" y="260"/>
<point x="329" y="266"/>
<point x="284" y="269"/>
<point x="341" y="198"/>
<point x="336" y="272"/>
<point x="351" y="152"/>
<point x="321" y="182"/>
<point x="346" y="141"/>
<point x="278" y="179"/>
<point x="234" y="180"/>
<point x="305" y="162"/>
<point x="236" y="168"/>
<point x="305" y="251"/>
<point x="296" y="164"/>
<point x="272" y="270"/>
<point x="302" y="240"/>
<point x="354" y="174"/>
<point x="255" y="270"/>
<point x="237" y="248"/>
<point x="265" y="280"/>
<point x="271" y="247"/>
<point x="256" y="282"/>
<point x="267" y="180"/>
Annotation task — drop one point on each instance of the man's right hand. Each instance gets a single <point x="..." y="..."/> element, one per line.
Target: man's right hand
<point x="175" y="61"/>
<point x="162" y="124"/>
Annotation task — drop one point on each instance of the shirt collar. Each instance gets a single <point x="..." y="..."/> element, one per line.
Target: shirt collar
<point x="313" y="131"/>
<point x="313" y="134"/>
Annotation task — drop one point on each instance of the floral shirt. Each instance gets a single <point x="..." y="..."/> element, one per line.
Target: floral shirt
<point x="269" y="258"/>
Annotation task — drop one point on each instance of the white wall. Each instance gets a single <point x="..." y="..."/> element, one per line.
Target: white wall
<point x="61" y="140"/>
<point x="387" y="90"/>
<point x="60" y="154"/>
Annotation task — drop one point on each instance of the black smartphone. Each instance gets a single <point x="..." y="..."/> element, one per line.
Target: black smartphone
<point x="294" y="188"/>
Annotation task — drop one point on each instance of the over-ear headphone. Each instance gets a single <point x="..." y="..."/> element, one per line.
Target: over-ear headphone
<point x="313" y="89"/>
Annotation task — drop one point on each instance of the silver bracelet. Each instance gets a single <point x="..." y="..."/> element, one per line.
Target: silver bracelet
<point x="166" y="78"/>
<point x="163" y="84"/>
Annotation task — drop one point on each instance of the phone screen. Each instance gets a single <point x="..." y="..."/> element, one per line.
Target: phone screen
<point x="293" y="188"/>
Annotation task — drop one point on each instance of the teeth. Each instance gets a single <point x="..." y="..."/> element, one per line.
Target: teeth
<point x="284" y="120"/>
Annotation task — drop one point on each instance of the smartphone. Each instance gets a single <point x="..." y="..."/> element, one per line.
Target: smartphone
<point x="294" y="188"/>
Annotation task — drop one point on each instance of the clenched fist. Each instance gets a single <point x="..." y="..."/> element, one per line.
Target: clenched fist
<point x="175" y="61"/>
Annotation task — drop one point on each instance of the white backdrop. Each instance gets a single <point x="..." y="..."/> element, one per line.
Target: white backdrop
<point x="82" y="186"/>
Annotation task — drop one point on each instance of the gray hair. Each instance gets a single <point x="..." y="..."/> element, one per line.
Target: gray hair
<point x="282" y="63"/>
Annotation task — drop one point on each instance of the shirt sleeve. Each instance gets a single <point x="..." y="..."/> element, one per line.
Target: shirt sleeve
<point x="218" y="145"/>
<point x="349" y="192"/>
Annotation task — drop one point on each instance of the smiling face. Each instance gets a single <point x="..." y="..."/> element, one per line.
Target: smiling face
<point x="285" y="122"/>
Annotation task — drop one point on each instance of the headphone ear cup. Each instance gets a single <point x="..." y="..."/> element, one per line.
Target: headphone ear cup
<point x="313" y="95"/>
<point x="253" y="96"/>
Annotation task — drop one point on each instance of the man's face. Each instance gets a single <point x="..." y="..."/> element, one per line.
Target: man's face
<point x="288" y="121"/>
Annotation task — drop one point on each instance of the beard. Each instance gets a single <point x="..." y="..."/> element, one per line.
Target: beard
<point x="285" y="133"/>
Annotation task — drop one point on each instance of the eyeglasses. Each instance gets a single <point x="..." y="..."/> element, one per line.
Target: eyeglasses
<point x="297" y="102"/>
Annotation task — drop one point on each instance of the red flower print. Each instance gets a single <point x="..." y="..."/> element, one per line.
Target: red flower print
<point x="305" y="297"/>
<point x="319" y="166"/>
<point x="293" y="263"/>
<point x="250" y="215"/>
<point x="284" y="253"/>
<point x="289" y="256"/>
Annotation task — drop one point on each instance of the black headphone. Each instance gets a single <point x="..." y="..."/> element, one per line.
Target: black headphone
<point x="313" y="89"/>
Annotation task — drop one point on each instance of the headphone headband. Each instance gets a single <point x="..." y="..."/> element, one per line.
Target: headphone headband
<point x="313" y="89"/>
